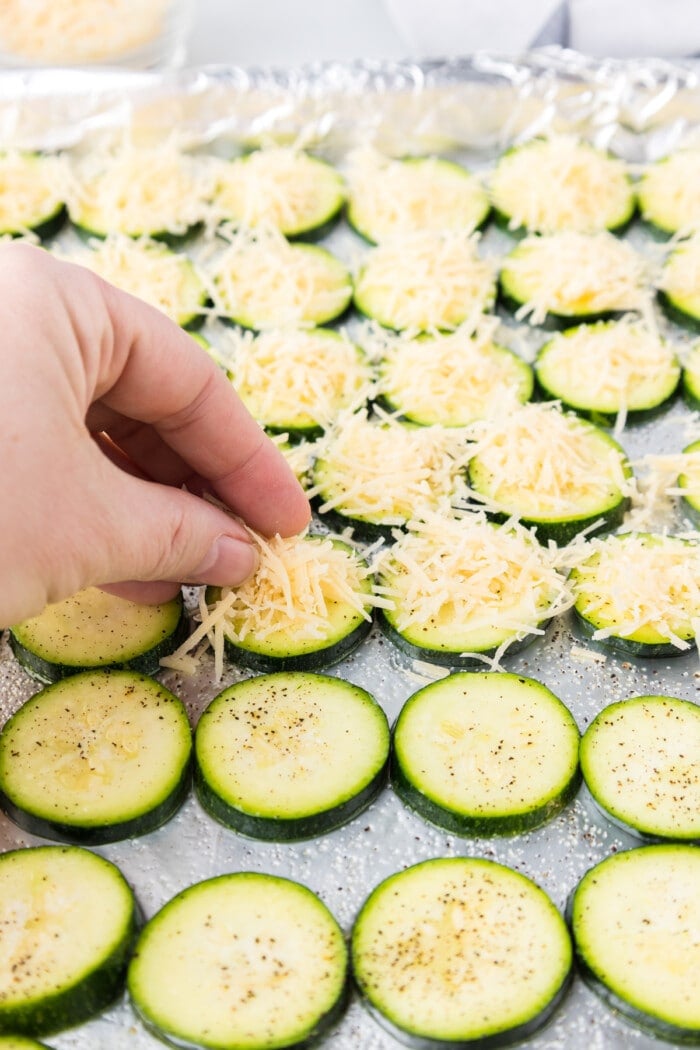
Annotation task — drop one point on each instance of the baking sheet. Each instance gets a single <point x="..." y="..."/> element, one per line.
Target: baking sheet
<point x="470" y="109"/>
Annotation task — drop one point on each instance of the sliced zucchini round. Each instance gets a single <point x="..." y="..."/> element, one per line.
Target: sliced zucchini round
<point x="638" y="758"/>
<point x="460" y="590"/>
<point x="450" y="380"/>
<point x="245" y="960"/>
<point x="561" y="183"/>
<point x="573" y="277"/>
<point x="425" y="281"/>
<point x="50" y="979"/>
<point x="262" y="281"/>
<point x="637" y="593"/>
<point x="307" y="606"/>
<point x="95" y="629"/>
<point x="668" y="192"/>
<point x="679" y="285"/>
<point x="634" y="919"/>
<point x="297" y="381"/>
<point x="97" y="757"/>
<point x="390" y="197"/>
<point x="300" y="195"/>
<point x="691" y="378"/>
<point x="31" y="194"/>
<point x="555" y="472"/>
<point x="288" y="756"/>
<point x="485" y="753"/>
<point x="460" y="952"/>
<point x="609" y="369"/>
<point x="689" y="482"/>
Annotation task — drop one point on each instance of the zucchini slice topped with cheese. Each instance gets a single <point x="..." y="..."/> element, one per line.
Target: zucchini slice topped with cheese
<point x="459" y="589"/>
<point x="679" y="284"/>
<point x="390" y="197"/>
<point x="691" y="377"/>
<point x="298" y="194"/>
<point x="669" y="192"/>
<point x="634" y="919"/>
<point x="242" y="960"/>
<point x="639" y="761"/>
<point x="425" y="281"/>
<point x="485" y="753"/>
<point x="689" y="482"/>
<point x="51" y="979"/>
<point x="97" y="757"/>
<point x="95" y="629"/>
<point x="31" y="194"/>
<point x="308" y="605"/>
<point x="612" y="370"/>
<point x="262" y="281"/>
<point x="573" y="277"/>
<point x="639" y="593"/>
<point x="561" y="183"/>
<point x="297" y="381"/>
<point x="436" y="974"/>
<point x="291" y="755"/>
<point x="555" y="472"/>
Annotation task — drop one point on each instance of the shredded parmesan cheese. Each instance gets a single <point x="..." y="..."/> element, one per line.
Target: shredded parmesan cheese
<point x="32" y="189"/>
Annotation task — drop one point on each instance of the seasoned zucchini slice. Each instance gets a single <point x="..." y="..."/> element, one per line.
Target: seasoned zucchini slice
<point x="243" y="960"/>
<point x="669" y="193"/>
<point x="485" y="753"/>
<point x="460" y="589"/>
<point x="291" y="755"/>
<point x="94" y="629"/>
<point x="555" y="472"/>
<point x="689" y="481"/>
<point x="634" y="919"/>
<point x="31" y="193"/>
<point x="638" y="593"/>
<point x="561" y="183"/>
<point x="51" y="979"/>
<point x="679" y="285"/>
<point x="638" y="758"/>
<point x="436" y="975"/>
<point x="389" y="198"/>
<point x="97" y="757"/>
<point x="691" y="377"/>
<point x="573" y="277"/>
<point x="614" y="370"/>
<point x="425" y="281"/>
<point x="298" y="194"/>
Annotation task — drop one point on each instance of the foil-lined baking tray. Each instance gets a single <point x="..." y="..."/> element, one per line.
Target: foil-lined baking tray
<point x="470" y="109"/>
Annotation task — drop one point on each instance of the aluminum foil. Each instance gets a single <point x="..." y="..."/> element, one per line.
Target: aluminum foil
<point x="472" y="109"/>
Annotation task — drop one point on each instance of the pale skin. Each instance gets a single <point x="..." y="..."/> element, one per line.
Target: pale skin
<point x="107" y="409"/>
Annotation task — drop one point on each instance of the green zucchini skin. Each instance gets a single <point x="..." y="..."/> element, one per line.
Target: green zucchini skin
<point x="691" y="389"/>
<point x="565" y="530"/>
<point x="166" y="237"/>
<point x="625" y="646"/>
<point x="51" y="225"/>
<point x="362" y="529"/>
<point x="676" y="313"/>
<point x="324" y="655"/>
<point x="553" y="322"/>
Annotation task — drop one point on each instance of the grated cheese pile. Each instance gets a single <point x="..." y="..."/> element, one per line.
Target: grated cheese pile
<point x="32" y="187"/>
<point x="299" y="378"/>
<point x="544" y="463"/>
<point x="393" y="197"/>
<point x="641" y="581"/>
<point x="425" y="281"/>
<point x="387" y="473"/>
<point x="680" y="276"/>
<point x="575" y="274"/>
<point x="561" y="183"/>
<point x="657" y="483"/>
<point x="263" y="281"/>
<point x="669" y="191"/>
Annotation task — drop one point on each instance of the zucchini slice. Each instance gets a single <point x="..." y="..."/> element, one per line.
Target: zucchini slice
<point x="425" y="281"/>
<point x="639" y="761"/>
<point x="298" y="194"/>
<point x="638" y="593"/>
<point x="458" y="590"/>
<point x="634" y="919"/>
<point x="689" y="481"/>
<point x="95" y="629"/>
<point x="31" y="194"/>
<point x="245" y="960"/>
<point x="288" y="756"/>
<point x="561" y="183"/>
<point x="307" y="606"/>
<point x="679" y="285"/>
<point x="691" y="377"/>
<point x="573" y="277"/>
<point x="262" y="281"/>
<point x="555" y="472"/>
<point x="97" y="757"/>
<point x="297" y="381"/>
<point x="614" y="370"/>
<point x="449" y="379"/>
<point x="668" y="192"/>
<point x="51" y="979"/>
<point x="389" y="198"/>
<point x="485" y="753"/>
<point x="460" y="952"/>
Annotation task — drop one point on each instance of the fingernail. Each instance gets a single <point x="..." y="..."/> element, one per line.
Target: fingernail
<point x="228" y="562"/>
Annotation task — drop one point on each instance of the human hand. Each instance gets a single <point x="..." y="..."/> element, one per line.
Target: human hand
<point x="107" y="409"/>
